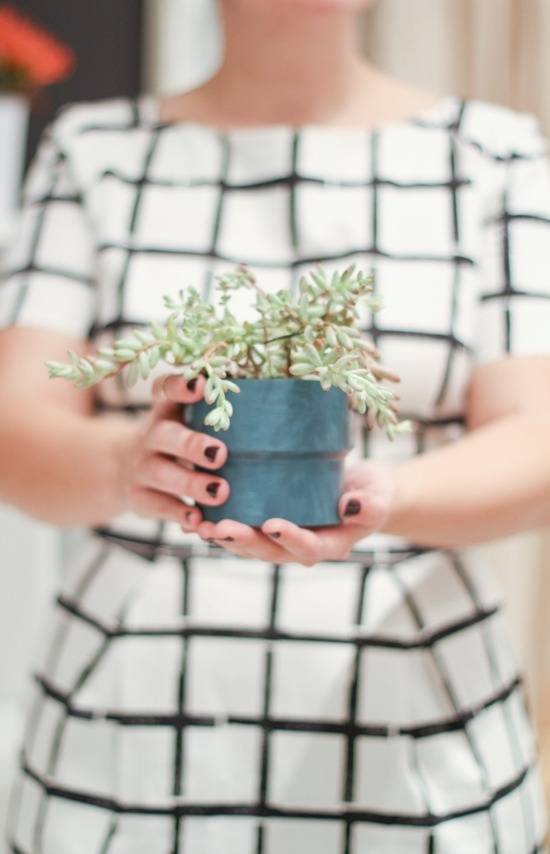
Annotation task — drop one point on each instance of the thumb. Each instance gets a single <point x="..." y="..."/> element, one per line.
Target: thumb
<point x="368" y="508"/>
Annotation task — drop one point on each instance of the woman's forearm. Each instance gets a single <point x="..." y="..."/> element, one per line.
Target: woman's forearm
<point x="493" y="482"/>
<point x="63" y="467"/>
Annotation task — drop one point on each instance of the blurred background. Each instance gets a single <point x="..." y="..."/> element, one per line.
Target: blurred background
<point x="489" y="49"/>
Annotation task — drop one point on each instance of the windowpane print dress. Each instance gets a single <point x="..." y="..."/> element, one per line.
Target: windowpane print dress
<point x="192" y="702"/>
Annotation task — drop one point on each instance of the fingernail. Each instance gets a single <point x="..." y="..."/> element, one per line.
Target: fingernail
<point x="192" y="384"/>
<point x="228" y="540"/>
<point x="211" y="452"/>
<point x="275" y="534"/>
<point x="210" y="540"/>
<point x="353" y="508"/>
<point x="212" y="489"/>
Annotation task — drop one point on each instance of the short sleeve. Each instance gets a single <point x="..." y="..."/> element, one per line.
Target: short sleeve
<point x="514" y="306"/>
<point x="48" y="270"/>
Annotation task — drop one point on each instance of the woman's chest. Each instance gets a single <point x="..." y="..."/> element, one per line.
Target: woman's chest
<point x="156" y="237"/>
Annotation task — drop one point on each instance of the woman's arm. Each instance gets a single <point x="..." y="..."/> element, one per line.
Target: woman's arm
<point x="57" y="463"/>
<point x="63" y="465"/>
<point x="496" y="480"/>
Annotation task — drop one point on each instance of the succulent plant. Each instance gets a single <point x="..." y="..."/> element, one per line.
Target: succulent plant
<point x="313" y="336"/>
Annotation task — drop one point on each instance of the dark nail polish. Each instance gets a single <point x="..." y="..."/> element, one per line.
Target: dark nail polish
<point x="212" y="489"/>
<point x="211" y="452"/>
<point x="192" y="384"/>
<point x="353" y="508"/>
<point x="275" y="534"/>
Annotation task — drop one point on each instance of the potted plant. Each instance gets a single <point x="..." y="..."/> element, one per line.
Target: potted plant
<point x="280" y="386"/>
<point x="29" y="60"/>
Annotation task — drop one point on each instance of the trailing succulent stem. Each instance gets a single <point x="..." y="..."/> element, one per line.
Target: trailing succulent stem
<point x="314" y="336"/>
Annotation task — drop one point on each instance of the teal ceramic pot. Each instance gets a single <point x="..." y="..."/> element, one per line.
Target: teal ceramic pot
<point x="287" y="442"/>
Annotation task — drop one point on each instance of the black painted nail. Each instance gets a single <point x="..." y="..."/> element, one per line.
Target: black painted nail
<point x="275" y="534"/>
<point x="353" y="508"/>
<point x="212" y="489"/>
<point x="211" y="452"/>
<point x="192" y="384"/>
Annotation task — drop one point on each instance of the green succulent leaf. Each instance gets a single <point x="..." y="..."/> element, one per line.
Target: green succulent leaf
<point x="312" y="335"/>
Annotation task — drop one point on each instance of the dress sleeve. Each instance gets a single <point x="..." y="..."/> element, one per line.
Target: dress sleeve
<point x="48" y="270"/>
<point x="514" y="302"/>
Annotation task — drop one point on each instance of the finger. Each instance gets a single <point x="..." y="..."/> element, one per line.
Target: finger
<point x="192" y="519"/>
<point x="173" y="388"/>
<point x="310" y="546"/>
<point x="361" y="509"/>
<point x="244" y="540"/>
<point x="157" y="505"/>
<point x="164" y="475"/>
<point x="172" y="438"/>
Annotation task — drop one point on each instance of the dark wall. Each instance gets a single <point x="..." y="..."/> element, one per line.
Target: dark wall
<point x="106" y="36"/>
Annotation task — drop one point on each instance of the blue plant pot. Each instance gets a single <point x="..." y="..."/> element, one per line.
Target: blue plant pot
<point x="287" y="442"/>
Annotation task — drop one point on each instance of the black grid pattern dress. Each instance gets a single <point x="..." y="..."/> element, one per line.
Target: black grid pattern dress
<point x="192" y="702"/>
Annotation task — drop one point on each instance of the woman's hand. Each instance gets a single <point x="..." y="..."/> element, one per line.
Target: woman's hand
<point x="157" y="466"/>
<point x="364" y="507"/>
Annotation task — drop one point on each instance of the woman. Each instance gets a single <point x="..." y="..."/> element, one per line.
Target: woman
<point x="215" y="688"/>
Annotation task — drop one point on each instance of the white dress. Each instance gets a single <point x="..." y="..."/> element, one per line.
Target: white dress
<point x="192" y="702"/>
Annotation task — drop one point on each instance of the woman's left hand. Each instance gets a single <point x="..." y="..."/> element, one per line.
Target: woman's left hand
<point x="364" y="506"/>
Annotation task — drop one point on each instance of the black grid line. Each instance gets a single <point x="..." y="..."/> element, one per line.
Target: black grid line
<point x="142" y="547"/>
<point x="416" y="731"/>
<point x="109" y="838"/>
<point x="423" y="788"/>
<point x="266" y="730"/>
<point x="32" y="267"/>
<point x="447" y="686"/>
<point x="309" y="260"/>
<point x="224" y="171"/>
<point x="291" y="178"/>
<point x="56" y="648"/>
<point x="178" y="767"/>
<point x="35" y="242"/>
<point x="348" y="788"/>
<point x="507" y="269"/>
<point x="372" y="330"/>
<point x="488" y="643"/>
<point x="457" y="268"/>
<point x="113" y="805"/>
<point x="516" y="293"/>
<point x="425" y="640"/>
<point x="293" y="217"/>
<point x="507" y="216"/>
<point x="57" y="740"/>
<point x="132" y="225"/>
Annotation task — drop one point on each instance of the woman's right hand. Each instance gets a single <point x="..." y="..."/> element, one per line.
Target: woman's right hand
<point x="157" y="465"/>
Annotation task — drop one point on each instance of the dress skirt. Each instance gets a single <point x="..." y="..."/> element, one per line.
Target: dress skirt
<point x="205" y="703"/>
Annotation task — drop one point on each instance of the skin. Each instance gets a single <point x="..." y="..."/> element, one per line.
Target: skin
<point x="69" y="467"/>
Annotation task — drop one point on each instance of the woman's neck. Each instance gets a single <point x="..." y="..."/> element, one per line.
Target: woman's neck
<point x="292" y="65"/>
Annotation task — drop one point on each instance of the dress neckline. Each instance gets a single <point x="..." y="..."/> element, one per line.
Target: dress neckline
<point x="445" y="107"/>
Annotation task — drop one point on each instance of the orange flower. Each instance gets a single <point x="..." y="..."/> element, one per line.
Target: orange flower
<point x="30" y="51"/>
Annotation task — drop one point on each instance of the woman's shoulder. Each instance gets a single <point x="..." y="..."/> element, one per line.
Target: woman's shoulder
<point x="500" y="133"/>
<point x="95" y="138"/>
<point x="110" y="115"/>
